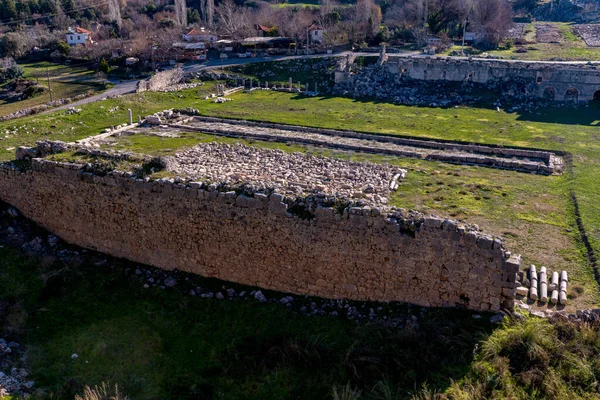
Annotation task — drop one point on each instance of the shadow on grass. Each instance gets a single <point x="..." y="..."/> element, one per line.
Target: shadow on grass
<point x="164" y="343"/>
<point x="567" y="115"/>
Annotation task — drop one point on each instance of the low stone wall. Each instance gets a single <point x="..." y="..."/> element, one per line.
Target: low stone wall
<point x="267" y="240"/>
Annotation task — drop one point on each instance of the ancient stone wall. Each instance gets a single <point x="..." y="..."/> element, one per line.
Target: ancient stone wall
<point x="266" y="240"/>
<point x="561" y="81"/>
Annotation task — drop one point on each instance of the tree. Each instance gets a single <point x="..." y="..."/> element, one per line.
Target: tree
<point x="193" y="16"/>
<point x="47" y="7"/>
<point x="63" y="48"/>
<point x="181" y="12"/>
<point x="114" y="12"/>
<point x="492" y="19"/>
<point x="68" y="6"/>
<point x="104" y="67"/>
<point x="233" y="20"/>
<point x="207" y="11"/>
<point x="13" y="45"/>
<point x="367" y="18"/>
<point x="166" y="23"/>
<point x="8" y="10"/>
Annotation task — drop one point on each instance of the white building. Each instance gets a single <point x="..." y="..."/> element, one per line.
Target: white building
<point x="316" y="33"/>
<point x="79" y="36"/>
<point x="200" y="35"/>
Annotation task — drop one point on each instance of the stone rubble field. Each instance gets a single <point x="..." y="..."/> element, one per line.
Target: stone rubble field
<point x="547" y="33"/>
<point x="364" y="143"/>
<point x="590" y="34"/>
<point x="289" y="173"/>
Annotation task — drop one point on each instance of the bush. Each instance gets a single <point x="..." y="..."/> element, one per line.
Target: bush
<point x="104" y="67"/>
<point x="63" y="48"/>
<point x="33" y="91"/>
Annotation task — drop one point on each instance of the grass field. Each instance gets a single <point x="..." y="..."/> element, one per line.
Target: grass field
<point x="571" y="48"/>
<point x="162" y="344"/>
<point x="65" y="82"/>
<point x="146" y="334"/>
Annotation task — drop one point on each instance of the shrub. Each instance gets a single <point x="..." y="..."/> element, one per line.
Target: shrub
<point x="104" y="67"/>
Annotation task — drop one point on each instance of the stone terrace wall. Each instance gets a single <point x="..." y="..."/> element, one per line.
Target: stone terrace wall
<point x="551" y="80"/>
<point x="360" y="254"/>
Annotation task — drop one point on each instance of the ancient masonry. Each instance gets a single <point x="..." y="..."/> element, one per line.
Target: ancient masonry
<point x="560" y="81"/>
<point x="270" y="240"/>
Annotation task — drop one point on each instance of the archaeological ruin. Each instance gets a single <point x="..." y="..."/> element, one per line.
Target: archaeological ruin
<point x="283" y="235"/>
<point x="548" y="80"/>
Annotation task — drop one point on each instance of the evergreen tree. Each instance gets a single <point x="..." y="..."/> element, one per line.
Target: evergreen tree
<point x="8" y="10"/>
<point x="68" y="6"/>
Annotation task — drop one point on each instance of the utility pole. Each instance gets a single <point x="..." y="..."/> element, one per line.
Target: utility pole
<point x="48" y="78"/>
<point x="463" y="39"/>
<point x="307" y="39"/>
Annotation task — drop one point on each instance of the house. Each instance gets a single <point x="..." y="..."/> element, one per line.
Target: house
<point x="190" y="51"/>
<point x="316" y="34"/>
<point x="79" y="36"/>
<point x="470" y="37"/>
<point x="200" y="35"/>
<point x="261" y="30"/>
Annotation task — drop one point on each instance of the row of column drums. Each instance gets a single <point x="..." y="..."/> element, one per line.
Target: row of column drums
<point x="542" y="289"/>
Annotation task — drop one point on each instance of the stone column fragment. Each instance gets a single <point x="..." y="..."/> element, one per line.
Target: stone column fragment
<point x="562" y="295"/>
<point x="543" y="285"/>
<point x="130" y="115"/>
<point x="554" y="288"/>
<point x="533" y="279"/>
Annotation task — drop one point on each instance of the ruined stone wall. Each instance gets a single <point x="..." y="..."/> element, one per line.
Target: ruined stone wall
<point x="553" y="80"/>
<point x="361" y="254"/>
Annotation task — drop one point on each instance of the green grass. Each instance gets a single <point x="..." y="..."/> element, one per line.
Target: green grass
<point x="571" y="48"/>
<point x="65" y="82"/>
<point x="162" y="344"/>
<point x="535" y="206"/>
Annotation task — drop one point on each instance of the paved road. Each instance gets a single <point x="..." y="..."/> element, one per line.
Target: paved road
<point x="118" y="89"/>
<point x="129" y="86"/>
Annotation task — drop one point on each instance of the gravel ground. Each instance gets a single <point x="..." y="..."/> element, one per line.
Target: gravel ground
<point x="590" y="34"/>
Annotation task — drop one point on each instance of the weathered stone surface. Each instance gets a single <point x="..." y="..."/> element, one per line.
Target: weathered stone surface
<point x="354" y="255"/>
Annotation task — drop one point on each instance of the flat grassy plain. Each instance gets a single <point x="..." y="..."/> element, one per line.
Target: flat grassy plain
<point x="65" y="82"/>
<point x="141" y="338"/>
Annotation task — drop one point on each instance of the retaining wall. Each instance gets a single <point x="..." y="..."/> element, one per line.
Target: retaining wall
<point x="261" y="240"/>
<point x="554" y="80"/>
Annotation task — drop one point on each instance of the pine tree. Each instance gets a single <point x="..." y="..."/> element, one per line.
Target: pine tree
<point x="8" y="10"/>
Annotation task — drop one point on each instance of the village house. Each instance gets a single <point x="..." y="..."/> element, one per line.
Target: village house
<point x="79" y="36"/>
<point x="316" y="34"/>
<point x="200" y="35"/>
<point x="261" y="30"/>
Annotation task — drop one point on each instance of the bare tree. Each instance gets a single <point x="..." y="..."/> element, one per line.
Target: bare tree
<point x="233" y="20"/>
<point x="180" y="12"/>
<point x="492" y="19"/>
<point x="207" y="11"/>
<point x="114" y="12"/>
<point x="367" y="18"/>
